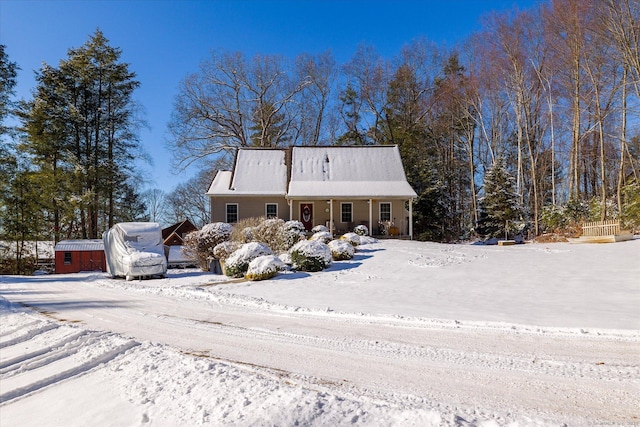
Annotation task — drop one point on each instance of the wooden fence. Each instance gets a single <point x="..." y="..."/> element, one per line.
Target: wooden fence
<point x="601" y="228"/>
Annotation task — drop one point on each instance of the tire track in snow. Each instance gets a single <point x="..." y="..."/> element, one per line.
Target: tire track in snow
<point x="66" y="357"/>
<point x="535" y="364"/>
<point x="27" y="336"/>
<point x="43" y="352"/>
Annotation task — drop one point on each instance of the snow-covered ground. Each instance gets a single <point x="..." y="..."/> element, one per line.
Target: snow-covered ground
<point x="405" y="333"/>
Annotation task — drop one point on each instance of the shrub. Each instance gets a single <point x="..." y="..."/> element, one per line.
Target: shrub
<point x="264" y="267"/>
<point x="310" y="255"/>
<point x="322" y="236"/>
<point x="224" y="249"/>
<point x="293" y="233"/>
<point x="319" y="228"/>
<point x="243" y="229"/>
<point x="352" y="238"/>
<point x="285" y="257"/>
<point x="237" y="263"/>
<point x="199" y="244"/>
<point x="341" y="250"/>
<point x="361" y="230"/>
<point x="275" y="233"/>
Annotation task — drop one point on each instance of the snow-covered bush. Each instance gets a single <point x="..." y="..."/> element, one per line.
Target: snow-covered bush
<point x="238" y="262"/>
<point x="341" y="250"/>
<point x="224" y="249"/>
<point x="367" y="240"/>
<point x="264" y="267"/>
<point x="352" y="238"/>
<point x="243" y="229"/>
<point x="275" y="233"/>
<point x="285" y="257"/>
<point x="293" y="232"/>
<point x="322" y="236"/>
<point x="319" y="228"/>
<point x="310" y="255"/>
<point x="199" y="244"/>
<point x="361" y="230"/>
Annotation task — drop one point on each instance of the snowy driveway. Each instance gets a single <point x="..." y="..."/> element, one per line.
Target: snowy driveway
<point x="371" y="351"/>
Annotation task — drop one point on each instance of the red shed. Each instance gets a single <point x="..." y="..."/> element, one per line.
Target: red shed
<point x="74" y="256"/>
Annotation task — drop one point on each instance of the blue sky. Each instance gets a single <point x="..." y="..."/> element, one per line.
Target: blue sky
<point x="165" y="40"/>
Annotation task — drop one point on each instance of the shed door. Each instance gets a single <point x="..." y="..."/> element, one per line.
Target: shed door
<point x="306" y="215"/>
<point x="91" y="261"/>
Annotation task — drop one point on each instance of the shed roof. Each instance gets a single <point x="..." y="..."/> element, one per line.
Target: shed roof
<point x="79" y="245"/>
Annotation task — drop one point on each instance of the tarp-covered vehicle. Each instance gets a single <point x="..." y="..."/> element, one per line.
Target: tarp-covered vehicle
<point x="135" y="250"/>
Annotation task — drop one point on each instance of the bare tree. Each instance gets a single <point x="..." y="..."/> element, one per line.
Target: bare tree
<point x="565" y="24"/>
<point x="155" y="201"/>
<point x="231" y="103"/>
<point x="368" y="75"/>
<point x="320" y="72"/>
<point x="622" y="18"/>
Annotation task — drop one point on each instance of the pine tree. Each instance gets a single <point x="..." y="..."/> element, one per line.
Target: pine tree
<point x="81" y="132"/>
<point x="500" y="209"/>
<point x="8" y="74"/>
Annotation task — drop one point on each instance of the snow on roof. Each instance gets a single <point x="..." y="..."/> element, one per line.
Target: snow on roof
<point x="316" y="172"/>
<point x="357" y="171"/>
<point x="80" y="245"/>
<point x="256" y="172"/>
<point x="221" y="183"/>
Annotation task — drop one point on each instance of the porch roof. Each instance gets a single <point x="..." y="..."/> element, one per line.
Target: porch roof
<point x="350" y="190"/>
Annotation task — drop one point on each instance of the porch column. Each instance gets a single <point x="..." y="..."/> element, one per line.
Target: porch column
<point x="290" y="209"/>
<point x="331" y="216"/>
<point x="370" y="216"/>
<point x="411" y="219"/>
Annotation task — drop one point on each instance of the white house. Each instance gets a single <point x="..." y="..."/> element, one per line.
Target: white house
<point x="339" y="187"/>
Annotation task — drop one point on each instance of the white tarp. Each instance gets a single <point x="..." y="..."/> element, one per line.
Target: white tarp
<point x="135" y="249"/>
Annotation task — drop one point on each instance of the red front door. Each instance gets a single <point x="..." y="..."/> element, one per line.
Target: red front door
<point x="306" y="215"/>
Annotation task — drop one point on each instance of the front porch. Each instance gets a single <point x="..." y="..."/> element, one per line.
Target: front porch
<point x="384" y="218"/>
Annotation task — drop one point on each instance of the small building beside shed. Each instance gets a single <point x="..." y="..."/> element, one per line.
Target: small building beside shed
<point x="74" y="256"/>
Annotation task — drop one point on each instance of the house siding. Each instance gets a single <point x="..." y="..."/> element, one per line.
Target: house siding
<point x="360" y="214"/>
<point x="248" y="207"/>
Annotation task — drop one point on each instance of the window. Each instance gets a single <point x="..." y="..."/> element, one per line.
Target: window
<point x="67" y="257"/>
<point x="346" y="212"/>
<point x="385" y="212"/>
<point x="271" y="210"/>
<point x="232" y="213"/>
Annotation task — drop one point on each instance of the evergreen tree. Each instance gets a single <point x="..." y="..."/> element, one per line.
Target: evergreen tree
<point x="81" y="132"/>
<point x="131" y="207"/>
<point x="350" y="113"/>
<point x="500" y="210"/>
<point x="8" y="74"/>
